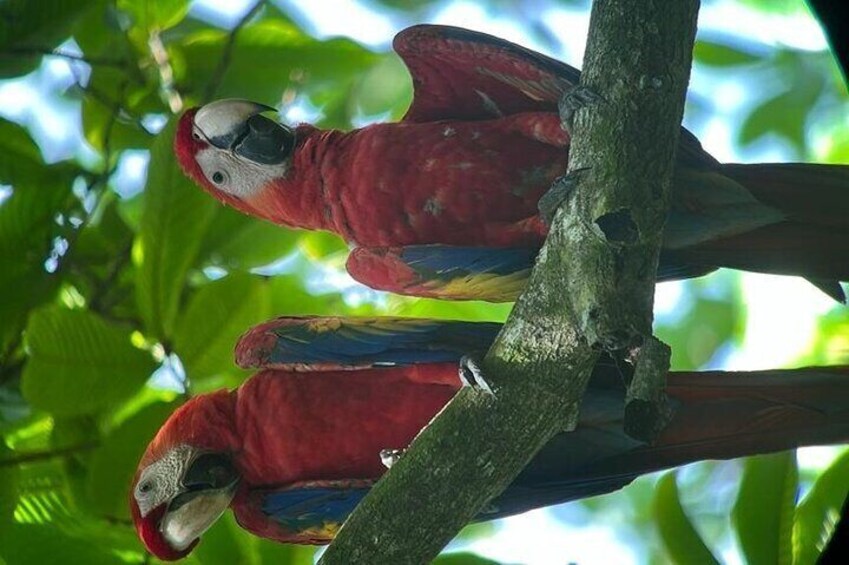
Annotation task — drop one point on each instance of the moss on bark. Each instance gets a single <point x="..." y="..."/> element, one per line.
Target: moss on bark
<point x="592" y="288"/>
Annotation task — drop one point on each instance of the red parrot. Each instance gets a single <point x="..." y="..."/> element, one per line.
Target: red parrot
<point x="466" y="167"/>
<point x="292" y="452"/>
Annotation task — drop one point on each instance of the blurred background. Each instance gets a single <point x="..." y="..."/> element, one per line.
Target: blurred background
<point x="123" y="288"/>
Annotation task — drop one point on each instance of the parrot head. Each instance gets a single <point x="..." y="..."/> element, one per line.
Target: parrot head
<point x="230" y="149"/>
<point x="178" y="496"/>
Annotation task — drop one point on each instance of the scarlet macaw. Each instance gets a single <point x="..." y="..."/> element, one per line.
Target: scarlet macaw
<point x="294" y="449"/>
<point x="466" y="167"/>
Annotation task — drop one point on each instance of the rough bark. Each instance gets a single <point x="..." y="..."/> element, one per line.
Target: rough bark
<point x="592" y="288"/>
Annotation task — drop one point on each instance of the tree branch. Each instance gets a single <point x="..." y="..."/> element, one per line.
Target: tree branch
<point x="166" y="72"/>
<point x="35" y="456"/>
<point x="227" y="53"/>
<point x="116" y="63"/>
<point x="592" y="289"/>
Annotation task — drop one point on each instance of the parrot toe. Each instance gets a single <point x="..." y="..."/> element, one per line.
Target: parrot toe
<point x="390" y="456"/>
<point x="573" y="100"/>
<point x="557" y="194"/>
<point x="471" y="375"/>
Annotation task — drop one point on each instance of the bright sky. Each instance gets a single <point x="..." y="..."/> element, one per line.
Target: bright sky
<point x="782" y="311"/>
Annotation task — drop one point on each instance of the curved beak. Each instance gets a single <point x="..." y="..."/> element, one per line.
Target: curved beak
<point x="238" y="126"/>
<point x="208" y="486"/>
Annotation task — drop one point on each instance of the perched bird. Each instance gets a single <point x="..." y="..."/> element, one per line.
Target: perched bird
<point x="461" y="176"/>
<point x="294" y="449"/>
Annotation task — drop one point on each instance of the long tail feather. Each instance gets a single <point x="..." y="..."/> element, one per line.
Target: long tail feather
<point x="813" y="194"/>
<point x="811" y="241"/>
<point x="719" y="416"/>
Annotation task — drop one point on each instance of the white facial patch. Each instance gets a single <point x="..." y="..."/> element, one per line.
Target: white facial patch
<point x="234" y="175"/>
<point x="160" y="481"/>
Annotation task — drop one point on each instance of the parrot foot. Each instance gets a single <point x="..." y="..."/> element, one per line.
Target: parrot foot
<point x="390" y="456"/>
<point x="573" y="100"/>
<point x="557" y="194"/>
<point x="471" y="375"/>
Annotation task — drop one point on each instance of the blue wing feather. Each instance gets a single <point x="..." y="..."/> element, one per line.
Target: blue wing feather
<point x="450" y="272"/>
<point x="329" y="343"/>
<point x="445" y="271"/>
<point x="313" y="511"/>
<point x="443" y="260"/>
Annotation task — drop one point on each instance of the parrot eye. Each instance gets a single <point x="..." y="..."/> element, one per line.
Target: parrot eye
<point x="195" y="136"/>
<point x="218" y="177"/>
<point x="145" y="487"/>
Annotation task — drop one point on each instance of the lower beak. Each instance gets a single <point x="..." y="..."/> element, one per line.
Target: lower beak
<point x="183" y="525"/>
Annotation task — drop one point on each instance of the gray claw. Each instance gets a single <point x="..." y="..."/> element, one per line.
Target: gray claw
<point x="471" y="375"/>
<point x="573" y="100"/>
<point x="560" y="189"/>
<point x="390" y="456"/>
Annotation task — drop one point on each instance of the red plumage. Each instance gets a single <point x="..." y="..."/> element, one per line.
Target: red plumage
<point x="479" y="146"/>
<point x="359" y="186"/>
<point x="284" y="428"/>
<point x="299" y="430"/>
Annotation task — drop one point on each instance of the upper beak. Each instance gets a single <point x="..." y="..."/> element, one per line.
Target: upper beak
<point x="236" y="125"/>
<point x="209" y="485"/>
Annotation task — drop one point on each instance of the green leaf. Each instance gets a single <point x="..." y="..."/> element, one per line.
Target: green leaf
<point x="238" y="241"/>
<point x="79" y="362"/>
<point x="101" y="123"/>
<point x="155" y="14"/>
<point x="787" y="7"/>
<point x="117" y="94"/>
<point x="25" y="24"/>
<point x="271" y="553"/>
<point x="14" y="410"/>
<point x="8" y="487"/>
<point x="288" y="296"/>
<point x="216" y="316"/>
<point x="27" y="226"/>
<point x="785" y="114"/>
<point x="462" y="558"/>
<point x="818" y="512"/>
<point x="174" y="219"/>
<point x="721" y="55"/>
<point x="385" y="87"/>
<point x="20" y="155"/>
<point x="220" y="544"/>
<point x="21" y="162"/>
<point x="114" y="463"/>
<point x="45" y="543"/>
<point x="104" y="236"/>
<point x="101" y="268"/>
<point x="763" y="512"/>
<point x="714" y="317"/>
<point x="470" y="310"/>
<point x="475" y="531"/>
<point x="265" y="59"/>
<point x="320" y="244"/>
<point x="781" y="115"/>
<point x="680" y="538"/>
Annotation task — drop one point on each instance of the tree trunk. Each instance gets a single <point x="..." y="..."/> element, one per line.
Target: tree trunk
<point x="592" y="289"/>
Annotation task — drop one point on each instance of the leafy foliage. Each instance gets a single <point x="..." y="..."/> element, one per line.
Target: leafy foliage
<point x="116" y="305"/>
<point x="763" y="513"/>
<point x="677" y="532"/>
<point x="79" y="363"/>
